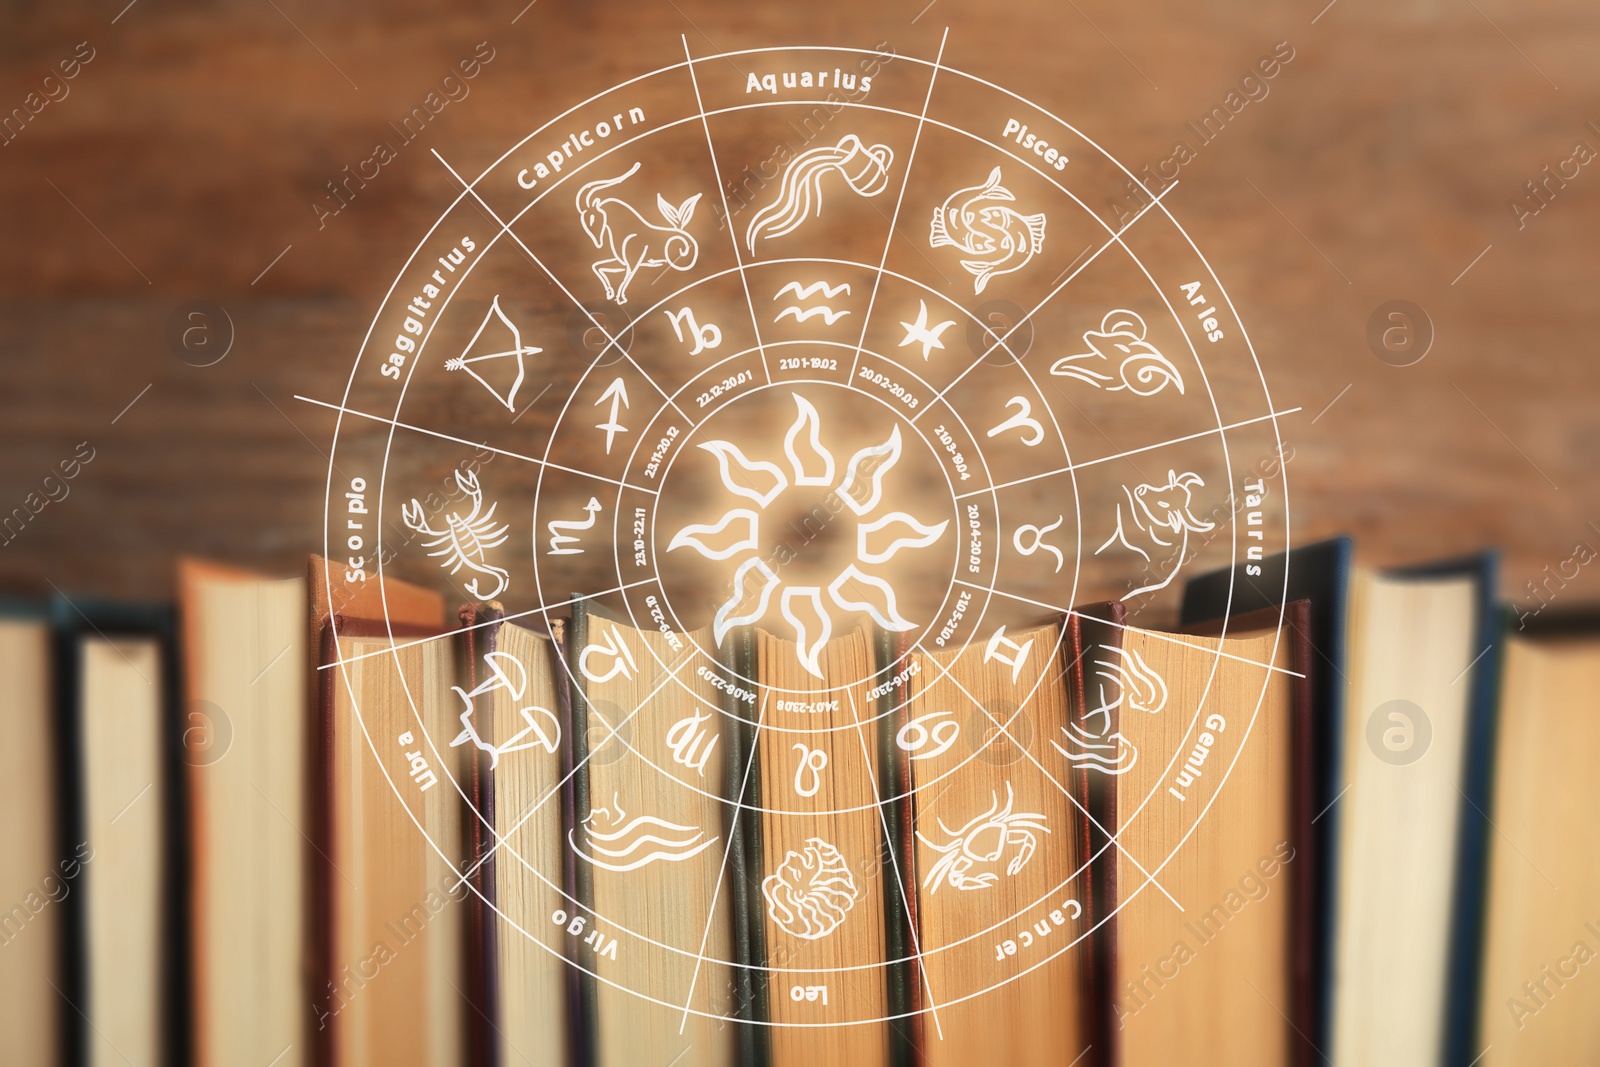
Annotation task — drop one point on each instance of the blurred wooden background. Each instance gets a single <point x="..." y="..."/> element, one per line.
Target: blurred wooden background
<point x="184" y="159"/>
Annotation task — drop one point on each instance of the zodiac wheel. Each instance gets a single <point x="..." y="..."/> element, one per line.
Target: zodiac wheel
<point x="811" y="342"/>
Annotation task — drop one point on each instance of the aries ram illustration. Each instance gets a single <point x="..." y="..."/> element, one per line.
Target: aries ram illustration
<point x="615" y="226"/>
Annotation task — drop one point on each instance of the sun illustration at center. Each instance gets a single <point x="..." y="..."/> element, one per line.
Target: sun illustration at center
<point x="736" y="537"/>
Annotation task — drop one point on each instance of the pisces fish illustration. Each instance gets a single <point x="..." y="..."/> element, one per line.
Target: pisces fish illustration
<point x="979" y="221"/>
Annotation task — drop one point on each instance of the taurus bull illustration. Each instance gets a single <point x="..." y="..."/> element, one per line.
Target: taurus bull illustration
<point x="615" y="226"/>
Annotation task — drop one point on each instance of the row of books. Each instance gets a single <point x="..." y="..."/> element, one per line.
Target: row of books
<point x="1367" y="838"/>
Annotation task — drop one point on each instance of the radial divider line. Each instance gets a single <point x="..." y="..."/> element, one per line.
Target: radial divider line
<point x="475" y="444"/>
<point x="1069" y="468"/>
<point x="1116" y="238"/>
<point x="889" y="839"/>
<point x="944" y="672"/>
<point x="716" y="170"/>
<point x="1175" y="639"/>
<point x="722" y="872"/>
<point x="611" y="342"/>
<point x="888" y="242"/>
<point x="501" y="839"/>
<point x="492" y="622"/>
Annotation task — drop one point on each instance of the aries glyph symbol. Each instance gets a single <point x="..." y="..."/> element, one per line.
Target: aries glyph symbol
<point x="1023" y="420"/>
<point x="465" y="538"/>
<point x="616" y="227"/>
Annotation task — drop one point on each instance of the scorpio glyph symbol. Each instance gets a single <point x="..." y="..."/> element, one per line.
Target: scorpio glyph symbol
<point x="970" y="855"/>
<point x="465" y="538"/>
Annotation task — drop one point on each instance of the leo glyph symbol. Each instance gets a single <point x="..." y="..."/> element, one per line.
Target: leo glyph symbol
<point x="809" y="770"/>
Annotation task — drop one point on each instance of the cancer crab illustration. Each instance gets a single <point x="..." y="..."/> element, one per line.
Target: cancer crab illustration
<point x="972" y="855"/>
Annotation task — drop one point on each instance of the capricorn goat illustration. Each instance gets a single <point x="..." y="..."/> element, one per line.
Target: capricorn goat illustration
<point x="615" y="226"/>
<point x="465" y="538"/>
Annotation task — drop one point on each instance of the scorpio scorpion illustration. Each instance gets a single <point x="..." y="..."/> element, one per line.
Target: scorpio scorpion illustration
<point x="983" y="843"/>
<point x="465" y="538"/>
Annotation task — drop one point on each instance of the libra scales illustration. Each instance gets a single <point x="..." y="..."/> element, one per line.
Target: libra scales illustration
<point x="819" y="441"/>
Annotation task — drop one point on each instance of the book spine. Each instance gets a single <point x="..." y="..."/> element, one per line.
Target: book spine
<point x="1305" y="876"/>
<point x="583" y="1019"/>
<point x="320" y="869"/>
<point x="899" y="892"/>
<point x="1098" y="627"/>
<point x="479" y="636"/>
<point x="1462" y="1020"/>
<point x="750" y="941"/>
<point x="70" y="831"/>
<point x="177" y="905"/>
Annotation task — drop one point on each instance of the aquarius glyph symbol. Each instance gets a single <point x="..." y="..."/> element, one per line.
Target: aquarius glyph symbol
<point x="864" y="169"/>
<point x="799" y="314"/>
<point x="997" y="238"/>
<point x="616" y="227"/>
<point x="465" y="539"/>
<point x="497" y="340"/>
